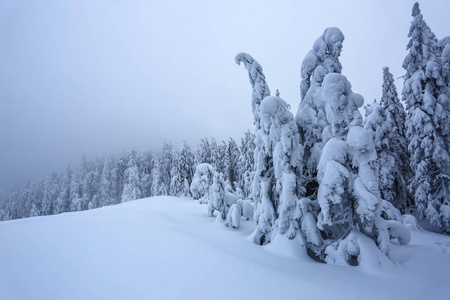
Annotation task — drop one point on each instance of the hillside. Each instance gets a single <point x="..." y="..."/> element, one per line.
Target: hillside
<point x="168" y="248"/>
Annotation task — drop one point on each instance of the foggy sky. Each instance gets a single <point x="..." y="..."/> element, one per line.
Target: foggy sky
<point x="100" y="77"/>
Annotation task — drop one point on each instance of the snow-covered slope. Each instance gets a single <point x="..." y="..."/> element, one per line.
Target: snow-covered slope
<point x="168" y="248"/>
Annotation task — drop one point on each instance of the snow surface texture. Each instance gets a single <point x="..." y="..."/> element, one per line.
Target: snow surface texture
<point x="167" y="248"/>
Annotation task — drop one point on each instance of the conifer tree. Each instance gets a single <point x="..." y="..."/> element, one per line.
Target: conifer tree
<point x="278" y="122"/>
<point x="264" y="181"/>
<point x="131" y="189"/>
<point x="186" y="167"/>
<point x="311" y="117"/>
<point x="387" y="121"/>
<point x="247" y="164"/>
<point x="427" y="129"/>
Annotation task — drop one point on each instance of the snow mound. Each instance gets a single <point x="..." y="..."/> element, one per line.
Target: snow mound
<point x="288" y="248"/>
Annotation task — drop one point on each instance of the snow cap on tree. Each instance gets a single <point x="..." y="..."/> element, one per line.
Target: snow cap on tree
<point x="341" y="104"/>
<point x="325" y="53"/>
<point x="257" y="80"/>
<point x="311" y="116"/>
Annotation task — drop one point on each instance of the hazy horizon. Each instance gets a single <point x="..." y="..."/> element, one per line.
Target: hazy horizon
<point x="104" y="77"/>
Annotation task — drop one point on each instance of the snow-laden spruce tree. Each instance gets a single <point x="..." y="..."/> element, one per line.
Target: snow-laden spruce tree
<point x="311" y="118"/>
<point x="176" y="181"/>
<point x="145" y="166"/>
<point x="217" y="200"/>
<point x="186" y="167"/>
<point x="281" y="138"/>
<point x="157" y="180"/>
<point x="63" y="200"/>
<point x="132" y="189"/>
<point x="387" y="122"/>
<point x="264" y="181"/>
<point x="215" y="158"/>
<point x="427" y="103"/>
<point x="106" y="183"/>
<point x="166" y="159"/>
<point x="395" y="114"/>
<point x="50" y="194"/>
<point x="231" y="161"/>
<point x="117" y="178"/>
<point x="202" y="182"/>
<point x="348" y="193"/>
<point x="246" y="164"/>
<point x="444" y="56"/>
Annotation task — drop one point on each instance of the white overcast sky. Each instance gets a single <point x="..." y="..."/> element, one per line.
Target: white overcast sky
<point x="100" y="77"/>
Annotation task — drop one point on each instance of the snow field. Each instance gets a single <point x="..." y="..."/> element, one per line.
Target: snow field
<point x="168" y="248"/>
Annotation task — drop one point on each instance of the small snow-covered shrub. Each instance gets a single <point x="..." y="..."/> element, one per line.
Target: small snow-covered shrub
<point x="411" y="222"/>
<point x="389" y="212"/>
<point x="229" y="200"/>
<point x="344" y="251"/>
<point x="234" y="216"/>
<point x="398" y="231"/>
<point x="247" y="210"/>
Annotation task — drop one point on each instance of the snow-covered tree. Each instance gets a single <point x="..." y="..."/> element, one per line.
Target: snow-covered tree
<point x="202" y="152"/>
<point x="264" y="181"/>
<point x="117" y="177"/>
<point x="202" y="182"/>
<point x="91" y="185"/>
<point x="387" y="125"/>
<point x="247" y="164"/>
<point x="231" y="161"/>
<point x="282" y="138"/>
<point x="176" y="181"/>
<point x="165" y="167"/>
<point x="427" y="122"/>
<point x="106" y="189"/>
<point x="157" y="179"/>
<point x="186" y="167"/>
<point x="311" y="117"/>
<point x="63" y="201"/>
<point x="131" y="189"/>
<point x="146" y="166"/>
<point x="396" y="115"/>
<point x="215" y="158"/>
<point x="348" y="176"/>
<point x="217" y="200"/>
<point x="260" y="90"/>
<point x="51" y="192"/>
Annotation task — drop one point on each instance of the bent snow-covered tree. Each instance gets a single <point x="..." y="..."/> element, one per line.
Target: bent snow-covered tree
<point x="311" y="118"/>
<point x="264" y="181"/>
